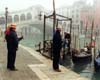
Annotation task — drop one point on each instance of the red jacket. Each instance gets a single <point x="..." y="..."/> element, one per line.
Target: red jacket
<point x="7" y="32"/>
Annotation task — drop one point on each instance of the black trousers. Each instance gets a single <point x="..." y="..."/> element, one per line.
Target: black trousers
<point x="56" y="57"/>
<point x="11" y="59"/>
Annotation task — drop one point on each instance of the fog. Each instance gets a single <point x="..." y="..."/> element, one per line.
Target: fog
<point x="14" y="5"/>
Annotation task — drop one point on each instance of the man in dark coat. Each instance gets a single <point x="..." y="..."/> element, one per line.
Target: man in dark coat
<point x="56" y="49"/>
<point x="12" y="46"/>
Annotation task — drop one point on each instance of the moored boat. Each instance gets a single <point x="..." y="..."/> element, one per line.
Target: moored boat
<point x="81" y="56"/>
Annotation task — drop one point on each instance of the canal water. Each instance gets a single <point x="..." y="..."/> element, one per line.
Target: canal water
<point x="84" y="69"/>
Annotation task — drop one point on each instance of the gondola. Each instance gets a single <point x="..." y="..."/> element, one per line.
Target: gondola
<point x="97" y="63"/>
<point x="81" y="56"/>
<point x="96" y="66"/>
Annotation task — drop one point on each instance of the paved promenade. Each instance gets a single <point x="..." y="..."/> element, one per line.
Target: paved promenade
<point x="32" y="66"/>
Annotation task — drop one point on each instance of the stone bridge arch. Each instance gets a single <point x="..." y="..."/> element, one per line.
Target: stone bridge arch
<point x="29" y="16"/>
<point x="2" y="20"/>
<point x="16" y="18"/>
<point x="9" y="20"/>
<point x="22" y="17"/>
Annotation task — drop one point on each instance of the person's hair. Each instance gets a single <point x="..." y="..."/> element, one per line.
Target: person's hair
<point x="13" y="25"/>
<point x="99" y="55"/>
<point x="11" y="28"/>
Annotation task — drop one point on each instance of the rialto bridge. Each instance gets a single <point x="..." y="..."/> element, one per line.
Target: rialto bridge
<point x="22" y="17"/>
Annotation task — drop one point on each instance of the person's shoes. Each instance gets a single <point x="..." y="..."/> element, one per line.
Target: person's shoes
<point x="58" y="70"/>
<point x="12" y="69"/>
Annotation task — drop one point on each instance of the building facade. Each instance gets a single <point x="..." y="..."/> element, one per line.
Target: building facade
<point x="75" y="12"/>
<point x="97" y="13"/>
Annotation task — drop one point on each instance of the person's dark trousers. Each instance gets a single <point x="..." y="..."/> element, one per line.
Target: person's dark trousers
<point x="56" y="57"/>
<point x="11" y="59"/>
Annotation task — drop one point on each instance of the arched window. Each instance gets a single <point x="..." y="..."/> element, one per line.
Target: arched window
<point x="9" y="19"/>
<point x="22" y="17"/>
<point x="2" y="20"/>
<point x="16" y="18"/>
<point x="29" y="16"/>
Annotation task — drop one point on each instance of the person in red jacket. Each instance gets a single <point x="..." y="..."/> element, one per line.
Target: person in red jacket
<point x="12" y="46"/>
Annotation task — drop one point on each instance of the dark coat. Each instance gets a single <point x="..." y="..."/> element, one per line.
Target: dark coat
<point x="56" y="49"/>
<point x="12" y="40"/>
<point x="12" y="45"/>
<point x="57" y="41"/>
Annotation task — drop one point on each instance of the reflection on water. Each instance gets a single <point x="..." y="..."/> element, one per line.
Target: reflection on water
<point x="96" y="76"/>
<point x="84" y="69"/>
<point x="31" y="41"/>
<point x="33" y="34"/>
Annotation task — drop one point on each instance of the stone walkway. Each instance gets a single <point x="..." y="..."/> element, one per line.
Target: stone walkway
<point x="32" y="66"/>
<point x="23" y="59"/>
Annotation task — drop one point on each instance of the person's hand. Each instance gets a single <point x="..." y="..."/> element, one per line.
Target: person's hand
<point x="22" y="37"/>
<point x="16" y="49"/>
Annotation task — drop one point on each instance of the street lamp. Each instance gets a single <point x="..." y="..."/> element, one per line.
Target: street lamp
<point x="6" y="16"/>
<point x="40" y="15"/>
<point x="54" y="16"/>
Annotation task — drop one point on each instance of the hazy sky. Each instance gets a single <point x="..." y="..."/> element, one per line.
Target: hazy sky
<point x="21" y="4"/>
